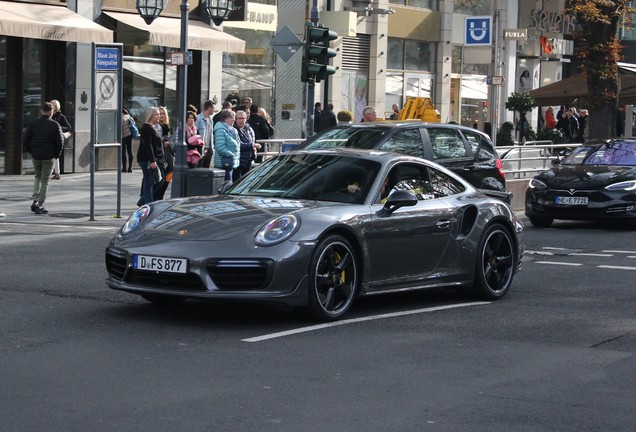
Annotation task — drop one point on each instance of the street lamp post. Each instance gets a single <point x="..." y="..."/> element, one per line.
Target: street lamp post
<point x="218" y="10"/>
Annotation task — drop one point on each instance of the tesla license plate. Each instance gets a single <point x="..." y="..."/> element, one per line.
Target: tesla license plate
<point x="568" y="200"/>
<point x="160" y="264"/>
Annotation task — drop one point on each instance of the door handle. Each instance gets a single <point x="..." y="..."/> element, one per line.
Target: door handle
<point x="442" y="224"/>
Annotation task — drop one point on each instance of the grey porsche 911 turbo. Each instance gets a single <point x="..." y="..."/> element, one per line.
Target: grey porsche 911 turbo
<point x="318" y="228"/>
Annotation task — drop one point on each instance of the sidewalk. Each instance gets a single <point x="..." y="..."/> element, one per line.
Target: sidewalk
<point x="68" y="199"/>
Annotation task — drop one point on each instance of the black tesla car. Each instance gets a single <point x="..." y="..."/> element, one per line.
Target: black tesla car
<point x="596" y="181"/>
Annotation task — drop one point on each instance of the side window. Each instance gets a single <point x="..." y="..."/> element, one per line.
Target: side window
<point x="412" y="178"/>
<point x="447" y="143"/>
<point x="443" y="185"/>
<point x="480" y="146"/>
<point x="408" y="142"/>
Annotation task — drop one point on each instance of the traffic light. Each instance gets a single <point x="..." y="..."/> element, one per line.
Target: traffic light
<point x="316" y="53"/>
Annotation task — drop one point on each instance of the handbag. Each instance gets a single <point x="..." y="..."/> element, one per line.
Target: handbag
<point x="67" y="135"/>
<point x="134" y="132"/>
<point x="227" y="162"/>
<point x="156" y="174"/>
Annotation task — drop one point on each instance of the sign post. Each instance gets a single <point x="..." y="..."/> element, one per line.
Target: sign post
<point x="106" y="110"/>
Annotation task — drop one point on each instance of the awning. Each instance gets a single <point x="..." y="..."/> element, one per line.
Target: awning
<point x="166" y="32"/>
<point x="154" y="72"/>
<point x="571" y="90"/>
<point x="40" y="21"/>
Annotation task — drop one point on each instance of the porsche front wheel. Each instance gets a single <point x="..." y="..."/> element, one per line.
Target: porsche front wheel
<point x="333" y="282"/>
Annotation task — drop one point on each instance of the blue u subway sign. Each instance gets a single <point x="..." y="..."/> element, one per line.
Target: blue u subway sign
<point x="478" y="31"/>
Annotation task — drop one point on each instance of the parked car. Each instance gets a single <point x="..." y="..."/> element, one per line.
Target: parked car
<point x="466" y="151"/>
<point x="596" y="181"/>
<point x="319" y="228"/>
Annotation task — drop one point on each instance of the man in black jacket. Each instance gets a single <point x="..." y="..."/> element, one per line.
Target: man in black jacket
<point x="43" y="139"/>
<point x="327" y="119"/>
<point x="260" y="128"/>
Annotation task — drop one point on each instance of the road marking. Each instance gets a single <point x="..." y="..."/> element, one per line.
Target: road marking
<point x="555" y="248"/>
<point x="617" y="267"/>
<point x="619" y="251"/>
<point x="532" y="252"/>
<point x="357" y="320"/>
<point x="558" y="263"/>
<point x="591" y="254"/>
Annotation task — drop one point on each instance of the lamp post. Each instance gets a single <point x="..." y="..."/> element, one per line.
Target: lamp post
<point x="218" y="10"/>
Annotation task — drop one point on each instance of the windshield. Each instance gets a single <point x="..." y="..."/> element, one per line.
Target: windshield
<point x="354" y="137"/>
<point x="310" y="177"/>
<point x="614" y="153"/>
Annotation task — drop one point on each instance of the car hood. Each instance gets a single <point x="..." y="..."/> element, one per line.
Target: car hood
<point x="585" y="176"/>
<point x="218" y="218"/>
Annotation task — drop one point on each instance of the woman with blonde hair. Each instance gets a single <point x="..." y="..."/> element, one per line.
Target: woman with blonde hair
<point x="167" y="167"/>
<point x="148" y="154"/>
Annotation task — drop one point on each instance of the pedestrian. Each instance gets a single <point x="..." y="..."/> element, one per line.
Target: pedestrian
<point x="583" y="132"/>
<point x="260" y="128"/>
<point x="127" y="135"/>
<point x="167" y="167"/>
<point x="247" y="103"/>
<point x="317" y="112"/>
<point x="524" y="128"/>
<point x="194" y="140"/>
<point x="268" y="119"/>
<point x="192" y="108"/>
<point x="550" y="121"/>
<point x="327" y="119"/>
<point x="248" y="147"/>
<point x="369" y="114"/>
<point x="227" y="146"/>
<point x="396" y="112"/>
<point x="205" y="126"/>
<point x="149" y="143"/>
<point x="344" y="117"/>
<point x="225" y="105"/>
<point x="44" y="140"/>
<point x="573" y="131"/>
<point x="66" y="132"/>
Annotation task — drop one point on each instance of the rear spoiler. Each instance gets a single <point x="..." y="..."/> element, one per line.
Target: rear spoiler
<point x="504" y="196"/>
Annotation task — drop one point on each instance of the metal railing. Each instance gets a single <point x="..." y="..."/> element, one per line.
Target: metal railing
<point x="524" y="161"/>
<point x="274" y="147"/>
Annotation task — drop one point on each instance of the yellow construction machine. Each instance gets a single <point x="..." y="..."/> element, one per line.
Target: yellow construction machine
<point x="419" y="108"/>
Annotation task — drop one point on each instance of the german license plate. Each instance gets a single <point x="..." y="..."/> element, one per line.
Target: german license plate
<point x="570" y="200"/>
<point x="160" y="264"/>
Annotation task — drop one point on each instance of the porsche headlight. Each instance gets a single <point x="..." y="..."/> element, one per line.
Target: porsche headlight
<point x="624" y="185"/>
<point x="537" y="184"/>
<point x="278" y="230"/>
<point x="136" y="219"/>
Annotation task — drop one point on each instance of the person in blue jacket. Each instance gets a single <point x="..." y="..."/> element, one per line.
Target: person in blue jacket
<point x="226" y="143"/>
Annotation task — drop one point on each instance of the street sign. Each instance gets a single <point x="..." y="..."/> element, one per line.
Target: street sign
<point x="107" y="59"/>
<point x="515" y="34"/>
<point x="494" y="80"/>
<point x="478" y="31"/>
<point x="286" y="43"/>
<point x="177" y="58"/>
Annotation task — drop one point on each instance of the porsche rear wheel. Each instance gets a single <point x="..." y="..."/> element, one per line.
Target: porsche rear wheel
<point x="495" y="263"/>
<point x="333" y="274"/>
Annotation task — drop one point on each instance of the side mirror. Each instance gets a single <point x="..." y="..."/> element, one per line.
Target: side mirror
<point x="397" y="199"/>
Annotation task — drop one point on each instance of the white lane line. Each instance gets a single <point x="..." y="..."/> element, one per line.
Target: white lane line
<point x="555" y="248"/>
<point x="357" y="320"/>
<point x="533" y="252"/>
<point x="617" y="267"/>
<point x="619" y="251"/>
<point x="591" y="254"/>
<point x="631" y="256"/>
<point x="558" y="263"/>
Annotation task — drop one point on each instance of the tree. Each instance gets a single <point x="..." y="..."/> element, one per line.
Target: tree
<point x="598" y="48"/>
<point x="523" y="103"/>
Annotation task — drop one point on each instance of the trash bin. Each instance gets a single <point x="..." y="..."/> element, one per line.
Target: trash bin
<point x="203" y="181"/>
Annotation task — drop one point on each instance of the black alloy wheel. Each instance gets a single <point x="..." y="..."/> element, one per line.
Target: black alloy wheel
<point x="495" y="263"/>
<point x="333" y="277"/>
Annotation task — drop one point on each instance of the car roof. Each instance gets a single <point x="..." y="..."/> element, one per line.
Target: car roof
<point x="375" y="155"/>
<point x="405" y="124"/>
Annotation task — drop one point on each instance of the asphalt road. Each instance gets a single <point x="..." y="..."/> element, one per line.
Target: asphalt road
<point x="556" y="354"/>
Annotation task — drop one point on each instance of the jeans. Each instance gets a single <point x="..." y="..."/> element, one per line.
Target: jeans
<point x="147" y="185"/>
<point x="43" y="170"/>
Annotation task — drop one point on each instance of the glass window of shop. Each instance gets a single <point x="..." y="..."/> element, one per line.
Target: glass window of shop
<point x="468" y="85"/>
<point x="148" y="82"/>
<point x="354" y="90"/>
<point x="472" y="7"/>
<point x="424" y="4"/>
<point x="250" y="74"/>
<point x="411" y="71"/>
